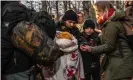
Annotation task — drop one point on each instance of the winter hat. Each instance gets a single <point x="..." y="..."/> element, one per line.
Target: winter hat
<point x="70" y="15"/>
<point x="89" y="23"/>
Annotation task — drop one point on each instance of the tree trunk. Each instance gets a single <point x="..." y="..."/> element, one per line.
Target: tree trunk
<point x="44" y="6"/>
<point x="65" y="6"/>
<point x="49" y="7"/>
<point x="86" y="8"/>
<point x="69" y="3"/>
<point x="57" y="10"/>
<point x="31" y="3"/>
<point x="74" y="6"/>
<point x="78" y="6"/>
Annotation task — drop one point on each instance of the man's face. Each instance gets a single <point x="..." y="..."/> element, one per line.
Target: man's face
<point x="89" y="31"/>
<point x="80" y="18"/>
<point x="70" y="23"/>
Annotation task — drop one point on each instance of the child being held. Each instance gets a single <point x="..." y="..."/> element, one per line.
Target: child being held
<point x="71" y="63"/>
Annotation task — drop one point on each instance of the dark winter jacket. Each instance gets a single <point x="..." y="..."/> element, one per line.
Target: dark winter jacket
<point x="89" y="60"/>
<point x="120" y="56"/>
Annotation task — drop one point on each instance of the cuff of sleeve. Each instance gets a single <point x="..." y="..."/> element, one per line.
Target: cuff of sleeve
<point x="94" y="51"/>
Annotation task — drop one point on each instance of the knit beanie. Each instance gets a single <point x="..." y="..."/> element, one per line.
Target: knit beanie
<point x="70" y="15"/>
<point x="89" y="24"/>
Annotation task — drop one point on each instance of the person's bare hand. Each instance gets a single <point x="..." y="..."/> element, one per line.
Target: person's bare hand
<point x="82" y="47"/>
<point x="88" y="48"/>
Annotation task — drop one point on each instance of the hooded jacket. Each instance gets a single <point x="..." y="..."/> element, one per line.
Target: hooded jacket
<point x="119" y="56"/>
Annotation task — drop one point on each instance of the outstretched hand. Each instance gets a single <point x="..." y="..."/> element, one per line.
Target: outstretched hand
<point x="85" y="48"/>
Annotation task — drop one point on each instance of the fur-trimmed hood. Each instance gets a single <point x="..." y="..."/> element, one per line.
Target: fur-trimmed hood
<point x="67" y="45"/>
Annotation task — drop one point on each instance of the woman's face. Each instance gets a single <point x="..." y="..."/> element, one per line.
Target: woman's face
<point x="70" y="23"/>
<point x="89" y="31"/>
<point x="80" y="18"/>
<point x="98" y="12"/>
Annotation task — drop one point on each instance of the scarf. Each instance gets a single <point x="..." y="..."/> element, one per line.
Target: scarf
<point x="107" y="16"/>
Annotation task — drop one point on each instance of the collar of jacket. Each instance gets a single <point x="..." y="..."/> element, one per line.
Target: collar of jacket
<point x="117" y="15"/>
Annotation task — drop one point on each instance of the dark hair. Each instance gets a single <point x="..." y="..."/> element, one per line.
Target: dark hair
<point x="70" y="15"/>
<point x="89" y="24"/>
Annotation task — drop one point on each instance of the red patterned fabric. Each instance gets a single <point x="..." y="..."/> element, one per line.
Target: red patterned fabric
<point x="74" y="56"/>
<point x="70" y="72"/>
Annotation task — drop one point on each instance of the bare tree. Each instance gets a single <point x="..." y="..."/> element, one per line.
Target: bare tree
<point x="74" y="6"/>
<point x="79" y="2"/>
<point x="39" y="6"/>
<point x="65" y="6"/>
<point x="86" y="8"/>
<point x="44" y="6"/>
<point x="49" y="6"/>
<point x="57" y="10"/>
<point x="69" y="4"/>
<point x="30" y="4"/>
